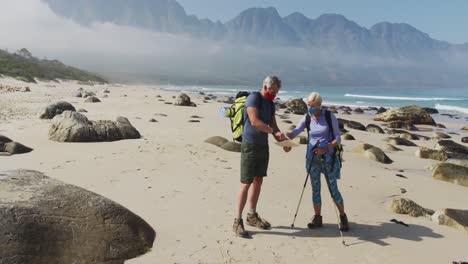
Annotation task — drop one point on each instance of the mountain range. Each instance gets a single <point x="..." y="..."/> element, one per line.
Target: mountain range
<point x="258" y="26"/>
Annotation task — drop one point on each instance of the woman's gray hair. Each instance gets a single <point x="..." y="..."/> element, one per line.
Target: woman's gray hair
<point x="314" y="97"/>
<point x="270" y="80"/>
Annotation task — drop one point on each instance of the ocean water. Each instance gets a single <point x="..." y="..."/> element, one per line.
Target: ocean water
<point x="446" y="100"/>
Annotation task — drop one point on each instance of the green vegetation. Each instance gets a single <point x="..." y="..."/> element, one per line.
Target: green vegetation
<point x="23" y="66"/>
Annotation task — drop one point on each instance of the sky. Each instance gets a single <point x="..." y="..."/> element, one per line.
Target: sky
<point x="443" y="20"/>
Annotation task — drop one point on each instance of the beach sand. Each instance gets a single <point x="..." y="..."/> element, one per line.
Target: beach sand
<point x="186" y="189"/>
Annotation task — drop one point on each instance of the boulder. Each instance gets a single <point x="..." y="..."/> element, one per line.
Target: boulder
<point x="431" y="110"/>
<point x="451" y="173"/>
<point x="374" y="129"/>
<point x="402" y="125"/>
<point x="348" y="137"/>
<point x="92" y="99"/>
<point x="4" y="139"/>
<point x="372" y="153"/>
<point x="413" y="114"/>
<point x="75" y="127"/>
<point x="440" y="135"/>
<point x="352" y="124"/>
<point x="408" y="207"/>
<point x="297" y="106"/>
<point x="56" y="109"/>
<point x="217" y="141"/>
<point x="14" y="148"/>
<point x="184" y="100"/>
<point x="400" y="141"/>
<point x="232" y="146"/>
<point x="381" y="110"/>
<point x="45" y="221"/>
<point x="390" y="147"/>
<point x="452" y="147"/>
<point x="454" y="218"/>
<point x="464" y="140"/>
<point x="358" y="110"/>
<point x="426" y="153"/>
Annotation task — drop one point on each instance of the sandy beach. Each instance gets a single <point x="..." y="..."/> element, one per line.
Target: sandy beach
<point x="186" y="189"/>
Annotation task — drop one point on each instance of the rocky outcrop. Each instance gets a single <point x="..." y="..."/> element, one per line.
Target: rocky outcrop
<point x="374" y="129"/>
<point x="184" y="100"/>
<point x="217" y="141"/>
<point x="45" y="221"/>
<point x="408" y="207"/>
<point x="453" y="148"/>
<point x="454" y="218"/>
<point x="400" y="141"/>
<point x="412" y="114"/>
<point x="297" y="106"/>
<point x="372" y="153"/>
<point x="9" y="146"/>
<point x="75" y="127"/>
<point x="451" y="173"/>
<point x="426" y="153"/>
<point x="352" y="124"/>
<point x="56" y="109"/>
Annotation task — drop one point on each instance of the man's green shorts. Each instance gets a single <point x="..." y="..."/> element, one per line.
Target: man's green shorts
<point x="254" y="161"/>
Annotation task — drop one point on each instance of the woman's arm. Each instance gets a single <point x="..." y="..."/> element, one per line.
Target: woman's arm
<point x="300" y="127"/>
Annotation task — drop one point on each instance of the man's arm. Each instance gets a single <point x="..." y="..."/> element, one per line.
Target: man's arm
<point x="257" y="122"/>
<point x="276" y="131"/>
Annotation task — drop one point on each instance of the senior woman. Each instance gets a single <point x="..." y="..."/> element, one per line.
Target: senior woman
<point x="321" y="158"/>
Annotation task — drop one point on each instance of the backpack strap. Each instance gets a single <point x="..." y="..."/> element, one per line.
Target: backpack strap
<point x="338" y="147"/>
<point x="329" y="122"/>
<point x="307" y="124"/>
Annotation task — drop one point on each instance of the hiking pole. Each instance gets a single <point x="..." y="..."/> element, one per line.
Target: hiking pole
<point x="303" y="188"/>
<point x="334" y="207"/>
<point x="300" y="200"/>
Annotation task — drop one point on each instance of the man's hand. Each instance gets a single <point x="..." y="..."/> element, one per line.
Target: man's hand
<point x="280" y="136"/>
<point x="287" y="149"/>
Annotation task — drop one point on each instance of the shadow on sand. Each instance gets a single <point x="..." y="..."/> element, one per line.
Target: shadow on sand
<point x="362" y="232"/>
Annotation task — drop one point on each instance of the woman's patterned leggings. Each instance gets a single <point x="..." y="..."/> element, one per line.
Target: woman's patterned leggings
<point x="333" y="172"/>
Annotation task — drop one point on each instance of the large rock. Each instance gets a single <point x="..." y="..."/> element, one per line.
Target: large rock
<point x="373" y="153"/>
<point x="464" y="140"/>
<point x="374" y="129"/>
<point x="408" y="207"/>
<point x="454" y="218"/>
<point x="400" y="141"/>
<point x="297" y="106"/>
<point x="56" y="109"/>
<point x="412" y="114"/>
<point x="92" y="99"/>
<point x="451" y="173"/>
<point x="232" y="146"/>
<point x="352" y="124"/>
<point x="75" y="127"/>
<point x="14" y="148"/>
<point x="217" y="141"/>
<point x="440" y="135"/>
<point x="431" y="110"/>
<point x="184" y="100"/>
<point x="426" y="153"/>
<point x="45" y="221"/>
<point x="452" y="147"/>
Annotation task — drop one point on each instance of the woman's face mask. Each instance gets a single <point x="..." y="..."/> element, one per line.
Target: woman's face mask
<point x="313" y="110"/>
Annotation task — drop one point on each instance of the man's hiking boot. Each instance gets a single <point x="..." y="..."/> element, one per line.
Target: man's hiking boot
<point x="254" y="220"/>
<point x="344" y="224"/>
<point x="239" y="229"/>
<point x="316" y="222"/>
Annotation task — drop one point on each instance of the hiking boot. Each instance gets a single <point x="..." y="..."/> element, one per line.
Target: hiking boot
<point x="316" y="222"/>
<point x="239" y="229"/>
<point x="254" y="220"/>
<point x="344" y="224"/>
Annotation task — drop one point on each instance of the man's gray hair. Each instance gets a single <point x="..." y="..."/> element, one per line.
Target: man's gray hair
<point x="270" y="80"/>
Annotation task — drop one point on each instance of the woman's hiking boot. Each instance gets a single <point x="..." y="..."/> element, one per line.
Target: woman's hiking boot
<point x="239" y="229"/>
<point x="316" y="222"/>
<point x="344" y="224"/>
<point x="254" y="220"/>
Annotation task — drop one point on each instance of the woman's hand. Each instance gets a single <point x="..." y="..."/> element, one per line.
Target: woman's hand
<point x="321" y="151"/>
